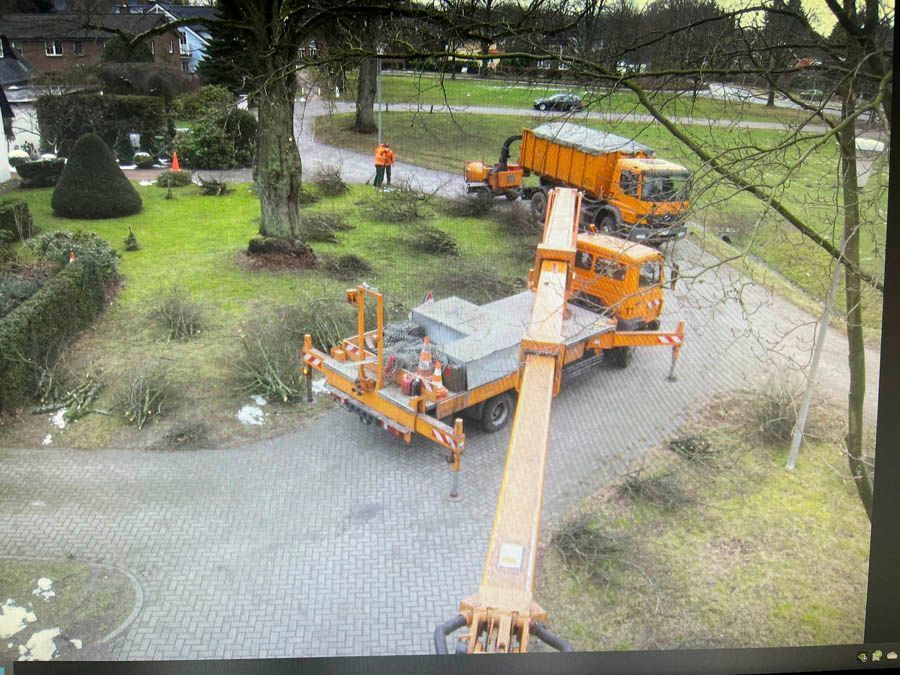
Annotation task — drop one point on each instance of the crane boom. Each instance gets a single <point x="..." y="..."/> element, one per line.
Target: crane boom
<point x="503" y="614"/>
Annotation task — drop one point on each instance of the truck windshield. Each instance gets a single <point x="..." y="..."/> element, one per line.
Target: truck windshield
<point x="665" y="187"/>
<point x="651" y="273"/>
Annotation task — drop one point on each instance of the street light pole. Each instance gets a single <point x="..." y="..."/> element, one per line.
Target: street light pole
<point x="378" y="94"/>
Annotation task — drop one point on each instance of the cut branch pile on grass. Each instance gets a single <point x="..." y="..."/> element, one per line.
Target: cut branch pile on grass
<point x="345" y="267"/>
<point x="431" y="240"/>
<point x="131" y="242"/>
<point x="214" y="188"/>
<point x="693" y="448"/>
<point x="586" y="547"/>
<point x="517" y="218"/>
<point x="178" y="314"/>
<point x="146" y="397"/>
<point x="269" y="364"/>
<point x="661" y="489"/>
<point x="469" y="206"/>
<point x="402" y="204"/>
<point x="324" y="226"/>
<point x="475" y="284"/>
<point x="329" y="183"/>
<point x="775" y="410"/>
<point x="76" y="402"/>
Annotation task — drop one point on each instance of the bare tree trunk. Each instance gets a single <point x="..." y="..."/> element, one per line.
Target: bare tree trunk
<point x="365" y="97"/>
<point x="853" y="290"/>
<point x="770" y="101"/>
<point x="278" y="169"/>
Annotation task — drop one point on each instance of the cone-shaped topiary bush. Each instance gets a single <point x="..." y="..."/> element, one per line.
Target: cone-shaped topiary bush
<point x="92" y="184"/>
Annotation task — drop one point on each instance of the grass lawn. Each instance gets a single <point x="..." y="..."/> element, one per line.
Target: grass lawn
<point x="88" y="603"/>
<point x="733" y="551"/>
<point x="196" y="242"/>
<point x="431" y="90"/>
<point x="809" y="188"/>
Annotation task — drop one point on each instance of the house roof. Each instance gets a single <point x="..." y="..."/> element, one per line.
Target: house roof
<point x="14" y="70"/>
<point x="72" y="26"/>
<point x="186" y="12"/>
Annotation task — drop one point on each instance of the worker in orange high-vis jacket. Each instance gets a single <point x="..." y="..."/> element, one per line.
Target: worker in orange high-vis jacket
<point x="384" y="158"/>
<point x="388" y="163"/>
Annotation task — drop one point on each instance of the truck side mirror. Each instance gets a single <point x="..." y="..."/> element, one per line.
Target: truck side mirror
<point x="675" y="271"/>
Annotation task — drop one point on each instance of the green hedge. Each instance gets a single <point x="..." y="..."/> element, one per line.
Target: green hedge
<point x="64" y="119"/>
<point x="41" y="173"/>
<point x="35" y="333"/>
<point x="15" y="218"/>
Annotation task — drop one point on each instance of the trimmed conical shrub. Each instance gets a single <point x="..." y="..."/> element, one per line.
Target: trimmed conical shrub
<point x="92" y="185"/>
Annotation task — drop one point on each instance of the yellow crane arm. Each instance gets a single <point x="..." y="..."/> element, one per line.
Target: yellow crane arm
<point x="502" y="615"/>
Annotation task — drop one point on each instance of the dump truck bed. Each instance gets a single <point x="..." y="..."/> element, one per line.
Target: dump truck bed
<point x="576" y="156"/>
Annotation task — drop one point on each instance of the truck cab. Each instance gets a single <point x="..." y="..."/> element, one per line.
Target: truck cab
<point x="621" y="277"/>
<point x="652" y="194"/>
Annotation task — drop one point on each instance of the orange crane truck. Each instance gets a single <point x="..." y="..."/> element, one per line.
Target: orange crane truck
<point x="628" y="192"/>
<point x="503" y="616"/>
<point x="469" y="361"/>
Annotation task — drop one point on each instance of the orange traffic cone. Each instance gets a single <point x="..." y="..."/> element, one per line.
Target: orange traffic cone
<point x="175" y="166"/>
<point x="437" y="382"/>
<point x="424" y="369"/>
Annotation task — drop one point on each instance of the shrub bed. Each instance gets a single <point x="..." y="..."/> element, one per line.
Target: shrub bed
<point x="224" y="141"/>
<point x="170" y="179"/>
<point x="87" y="246"/>
<point x="15" y="218"/>
<point x="41" y="173"/>
<point x="34" y="334"/>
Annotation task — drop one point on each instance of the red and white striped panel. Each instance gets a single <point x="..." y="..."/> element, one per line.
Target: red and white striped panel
<point x="312" y="360"/>
<point x="427" y="385"/>
<point x="444" y="439"/>
<point x="351" y="348"/>
<point x="669" y="340"/>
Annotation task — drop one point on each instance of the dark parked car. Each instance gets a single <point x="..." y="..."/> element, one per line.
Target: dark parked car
<point x="559" y="102"/>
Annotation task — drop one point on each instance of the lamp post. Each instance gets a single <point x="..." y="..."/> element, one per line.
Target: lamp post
<point x="378" y="91"/>
<point x="867" y="151"/>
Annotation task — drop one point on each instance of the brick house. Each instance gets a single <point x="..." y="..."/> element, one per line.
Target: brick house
<point x="53" y="42"/>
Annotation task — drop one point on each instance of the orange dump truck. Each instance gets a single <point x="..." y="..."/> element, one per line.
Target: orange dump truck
<point x="628" y="191"/>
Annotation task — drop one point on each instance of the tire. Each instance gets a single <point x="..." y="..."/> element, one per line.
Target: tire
<point x="511" y="196"/>
<point x="497" y="413"/>
<point x="542" y="107"/>
<point x="619" y="357"/>
<point x="539" y="203"/>
<point x="653" y="325"/>
<point x="608" y="223"/>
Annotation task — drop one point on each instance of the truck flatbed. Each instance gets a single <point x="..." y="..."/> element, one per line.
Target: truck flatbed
<point x="485" y="340"/>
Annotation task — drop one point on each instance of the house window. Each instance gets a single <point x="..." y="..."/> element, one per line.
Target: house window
<point x="182" y="40"/>
<point x="53" y="48"/>
<point x="545" y="64"/>
<point x="171" y="46"/>
<point x="78" y="48"/>
<point x="152" y="48"/>
<point x="185" y="66"/>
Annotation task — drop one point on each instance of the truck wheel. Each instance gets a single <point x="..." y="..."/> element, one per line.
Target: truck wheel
<point x="542" y="107"/>
<point x="539" y="203"/>
<point x="607" y="224"/>
<point x="619" y="357"/>
<point x="496" y="413"/>
<point x="653" y="325"/>
<point x="511" y="195"/>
